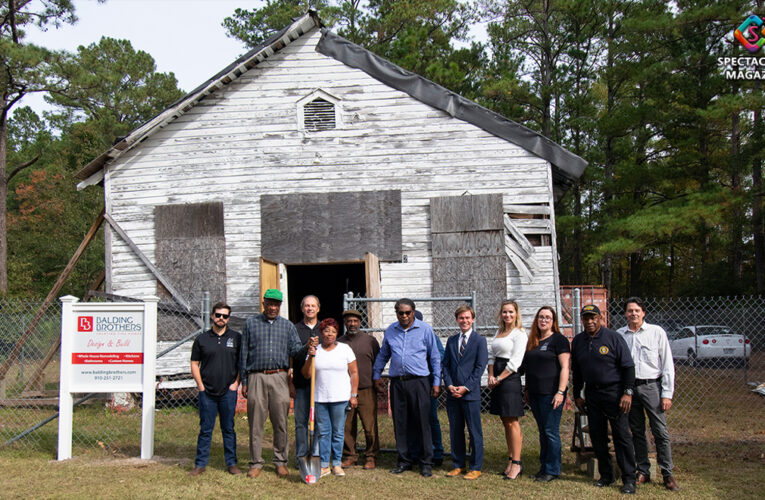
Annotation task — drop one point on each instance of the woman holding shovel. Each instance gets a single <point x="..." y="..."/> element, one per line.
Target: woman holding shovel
<point x="337" y="382"/>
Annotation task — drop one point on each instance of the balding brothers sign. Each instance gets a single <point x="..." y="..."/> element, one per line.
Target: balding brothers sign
<point x="107" y="347"/>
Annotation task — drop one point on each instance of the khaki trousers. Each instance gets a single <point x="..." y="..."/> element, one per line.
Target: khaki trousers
<point x="367" y="411"/>
<point x="268" y="396"/>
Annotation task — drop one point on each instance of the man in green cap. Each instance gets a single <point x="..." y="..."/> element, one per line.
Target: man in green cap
<point x="268" y="341"/>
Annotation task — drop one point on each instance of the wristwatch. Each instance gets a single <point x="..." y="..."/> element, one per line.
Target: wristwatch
<point x="628" y="392"/>
<point x="354" y="395"/>
<point x="562" y="393"/>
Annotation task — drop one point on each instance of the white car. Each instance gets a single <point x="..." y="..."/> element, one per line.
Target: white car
<point x="709" y="343"/>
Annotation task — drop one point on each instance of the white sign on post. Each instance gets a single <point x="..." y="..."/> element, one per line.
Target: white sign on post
<point x="107" y="347"/>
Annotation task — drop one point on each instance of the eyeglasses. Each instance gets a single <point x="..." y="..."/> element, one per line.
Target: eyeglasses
<point x="219" y="315"/>
<point x="545" y="318"/>
<point x="404" y="313"/>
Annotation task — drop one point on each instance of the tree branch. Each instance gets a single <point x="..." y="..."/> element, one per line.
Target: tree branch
<point x="21" y="167"/>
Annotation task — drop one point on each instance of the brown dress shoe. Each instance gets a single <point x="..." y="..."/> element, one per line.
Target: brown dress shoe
<point x="234" y="470"/>
<point x="670" y="484"/>
<point x="196" y="471"/>
<point x="349" y="462"/>
<point x="454" y="472"/>
<point x="370" y="463"/>
<point x="473" y="474"/>
<point x="281" y="471"/>
<point x="254" y="472"/>
<point x="642" y="478"/>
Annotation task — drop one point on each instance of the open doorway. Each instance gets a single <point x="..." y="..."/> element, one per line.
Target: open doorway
<point x="328" y="282"/>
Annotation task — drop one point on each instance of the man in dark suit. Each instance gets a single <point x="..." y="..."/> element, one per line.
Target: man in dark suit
<point x="464" y="363"/>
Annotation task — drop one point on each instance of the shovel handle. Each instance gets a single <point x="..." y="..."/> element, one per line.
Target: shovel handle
<point x="313" y="387"/>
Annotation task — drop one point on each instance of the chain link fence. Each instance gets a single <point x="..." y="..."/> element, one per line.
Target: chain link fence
<point x="717" y="344"/>
<point x="714" y="404"/>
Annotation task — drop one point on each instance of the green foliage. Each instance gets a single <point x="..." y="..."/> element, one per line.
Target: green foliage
<point x="253" y="27"/>
<point x="109" y="90"/>
<point x="418" y="35"/>
<point x="113" y="85"/>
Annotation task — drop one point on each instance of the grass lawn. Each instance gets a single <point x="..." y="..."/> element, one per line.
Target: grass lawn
<point x="108" y="471"/>
<point x="716" y="423"/>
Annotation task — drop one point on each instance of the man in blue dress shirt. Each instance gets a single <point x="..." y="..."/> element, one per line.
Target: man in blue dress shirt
<point x="415" y="368"/>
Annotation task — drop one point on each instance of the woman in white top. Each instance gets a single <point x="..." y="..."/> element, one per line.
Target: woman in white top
<point x="337" y="383"/>
<point x="505" y="357"/>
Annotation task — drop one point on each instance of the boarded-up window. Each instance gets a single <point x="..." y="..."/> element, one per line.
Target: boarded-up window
<point x="469" y="250"/>
<point x="330" y="227"/>
<point x="319" y="114"/>
<point x="191" y="249"/>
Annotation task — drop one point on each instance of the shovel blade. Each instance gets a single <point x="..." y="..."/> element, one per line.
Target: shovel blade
<point x="310" y="469"/>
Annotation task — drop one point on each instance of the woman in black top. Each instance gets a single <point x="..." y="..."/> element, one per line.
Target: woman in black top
<point x="546" y="364"/>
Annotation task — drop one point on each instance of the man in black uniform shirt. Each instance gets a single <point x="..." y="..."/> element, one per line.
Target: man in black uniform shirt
<point x="601" y="361"/>
<point x="215" y="368"/>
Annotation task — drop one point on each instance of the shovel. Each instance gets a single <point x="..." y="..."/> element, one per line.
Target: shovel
<point x="310" y="466"/>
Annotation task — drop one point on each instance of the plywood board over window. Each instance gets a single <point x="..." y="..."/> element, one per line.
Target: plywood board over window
<point x="191" y="249"/>
<point x="331" y="227"/>
<point x="469" y="251"/>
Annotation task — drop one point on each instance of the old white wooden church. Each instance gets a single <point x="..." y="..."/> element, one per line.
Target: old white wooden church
<point x="313" y="165"/>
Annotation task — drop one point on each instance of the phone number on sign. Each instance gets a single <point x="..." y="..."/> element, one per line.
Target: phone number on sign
<point x="108" y="377"/>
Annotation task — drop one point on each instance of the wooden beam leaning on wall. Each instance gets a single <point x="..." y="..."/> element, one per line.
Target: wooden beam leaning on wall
<point x="146" y="262"/>
<point x="14" y="354"/>
<point x="38" y="374"/>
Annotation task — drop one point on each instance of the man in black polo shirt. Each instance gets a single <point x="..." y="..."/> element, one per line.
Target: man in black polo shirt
<point x="215" y="368"/>
<point x="300" y="387"/>
<point x="601" y="361"/>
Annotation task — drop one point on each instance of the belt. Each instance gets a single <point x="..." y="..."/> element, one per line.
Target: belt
<point x="269" y="372"/>
<point x="408" y="377"/>
<point x="602" y="386"/>
<point x="644" y="381"/>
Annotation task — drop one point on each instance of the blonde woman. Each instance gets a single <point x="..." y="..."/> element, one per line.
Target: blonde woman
<point x="505" y="356"/>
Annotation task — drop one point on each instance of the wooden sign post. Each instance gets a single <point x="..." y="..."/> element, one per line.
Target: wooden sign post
<point x="107" y="347"/>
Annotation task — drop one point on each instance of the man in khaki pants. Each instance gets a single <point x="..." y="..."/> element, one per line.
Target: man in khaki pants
<point x="268" y="341"/>
<point x="365" y="347"/>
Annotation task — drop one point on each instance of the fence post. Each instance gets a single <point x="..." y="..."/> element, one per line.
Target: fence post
<point x="473" y="301"/>
<point x="206" y="309"/>
<point x="576" y="319"/>
<point x="346" y="302"/>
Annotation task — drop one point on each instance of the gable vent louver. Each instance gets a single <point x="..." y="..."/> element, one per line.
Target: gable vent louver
<point x="319" y="114"/>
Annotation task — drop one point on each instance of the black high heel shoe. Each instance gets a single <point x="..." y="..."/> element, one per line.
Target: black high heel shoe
<point x="516" y="462"/>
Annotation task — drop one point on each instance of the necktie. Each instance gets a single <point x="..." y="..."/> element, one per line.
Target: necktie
<point x="463" y="344"/>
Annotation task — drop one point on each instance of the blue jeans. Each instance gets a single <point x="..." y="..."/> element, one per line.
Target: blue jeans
<point x="548" y="422"/>
<point x="209" y="408"/>
<point x="301" y="408"/>
<point x="331" y="421"/>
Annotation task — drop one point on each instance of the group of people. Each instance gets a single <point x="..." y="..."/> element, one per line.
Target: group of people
<point x="626" y="375"/>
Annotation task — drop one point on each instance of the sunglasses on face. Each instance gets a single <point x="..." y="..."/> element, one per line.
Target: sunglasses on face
<point x="220" y="315"/>
<point x="404" y="313"/>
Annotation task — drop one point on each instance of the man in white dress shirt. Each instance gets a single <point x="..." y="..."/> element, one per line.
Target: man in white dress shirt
<point x="654" y="387"/>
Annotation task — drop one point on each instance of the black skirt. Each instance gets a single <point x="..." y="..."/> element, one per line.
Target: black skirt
<point x="506" y="400"/>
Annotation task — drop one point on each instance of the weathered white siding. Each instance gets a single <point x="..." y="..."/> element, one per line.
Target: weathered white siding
<point x="244" y="141"/>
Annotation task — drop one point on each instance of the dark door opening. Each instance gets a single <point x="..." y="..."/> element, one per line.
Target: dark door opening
<point x="329" y="282"/>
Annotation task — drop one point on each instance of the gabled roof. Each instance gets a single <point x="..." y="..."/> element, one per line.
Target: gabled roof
<point x="567" y="167"/>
